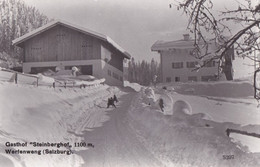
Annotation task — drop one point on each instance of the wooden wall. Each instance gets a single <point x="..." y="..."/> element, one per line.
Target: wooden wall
<point x="61" y="44"/>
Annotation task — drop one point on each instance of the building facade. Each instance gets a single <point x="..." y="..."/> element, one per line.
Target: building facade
<point x="178" y="62"/>
<point x="64" y="45"/>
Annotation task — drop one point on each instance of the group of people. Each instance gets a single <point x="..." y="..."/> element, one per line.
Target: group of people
<point x="111" y="101"/>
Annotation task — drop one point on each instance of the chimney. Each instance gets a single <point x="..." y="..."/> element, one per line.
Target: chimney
<point x="186" y="37"/>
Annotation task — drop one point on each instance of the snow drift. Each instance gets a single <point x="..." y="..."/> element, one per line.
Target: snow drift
<point x="185" y="137"/>
<point x="134" y="86"/>
<point x="44" y="114"/>
<point x="148" y="96"/>
<point x="181" y="107"/>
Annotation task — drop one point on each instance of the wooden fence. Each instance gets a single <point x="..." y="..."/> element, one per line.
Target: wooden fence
<point x="29" y="79"/>
<point x="228" y="131"/>
<point x="18" y="77"/>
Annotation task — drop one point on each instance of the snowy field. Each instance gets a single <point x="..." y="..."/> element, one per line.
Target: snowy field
<point x="44" y="114"/>
<point x="192" y="132"/>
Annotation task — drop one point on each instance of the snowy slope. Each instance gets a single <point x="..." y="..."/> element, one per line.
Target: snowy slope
<point x="190" y="132"/>
<point x="198" y="137"/>
<point x="44" y="114"/>
<point x="135" y="86"/>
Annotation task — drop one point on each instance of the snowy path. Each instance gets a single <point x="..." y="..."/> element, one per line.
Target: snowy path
<point x="48" y="115"/>
<point x="115" y="142"/>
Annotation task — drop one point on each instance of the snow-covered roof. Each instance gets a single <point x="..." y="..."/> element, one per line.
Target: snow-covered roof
<point x="72" y="26"/>
<point x="186" y="43"/>
<point x="165" y="45"/>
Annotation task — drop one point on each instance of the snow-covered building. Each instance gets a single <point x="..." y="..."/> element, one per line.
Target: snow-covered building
<point x="64" y="45"/>
<point x="178" y="62"/>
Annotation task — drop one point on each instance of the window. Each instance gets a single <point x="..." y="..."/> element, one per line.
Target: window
<point x="109" y="72"/>
<point x="60" y="36"/>
<point x="177" y="65"/>
<point x="36" y="70"/>
<point x="168" y="79"/>
<point x="115" y="76"/>
<point x="209" y="63"/>
<point x="208" y="78"/>
<point x="177" y="79"/>
<point x="191" y="64"/>
<point x="68" y="67"/>
<point x="192" y="78"/>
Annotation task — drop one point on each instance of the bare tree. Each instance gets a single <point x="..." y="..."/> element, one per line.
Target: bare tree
<point x="204" y="21"/>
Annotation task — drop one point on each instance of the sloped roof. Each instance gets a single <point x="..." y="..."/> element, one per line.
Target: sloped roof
<point x="83" y="30"/>
<point x="166" y="45"/>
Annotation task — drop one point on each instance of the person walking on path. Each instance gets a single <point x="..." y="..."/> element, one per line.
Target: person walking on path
<point x="161" y="104"/>
<point x="110" y="102"/>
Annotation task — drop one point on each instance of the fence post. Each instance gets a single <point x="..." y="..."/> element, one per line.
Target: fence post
<point x="15" y="77"/>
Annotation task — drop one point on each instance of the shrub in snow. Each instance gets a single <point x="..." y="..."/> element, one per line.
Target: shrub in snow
<point x="181" y="108"/>
<point x="149" y="92"/>
<point x="142" y="90"/>
<point x="148" y="96"/>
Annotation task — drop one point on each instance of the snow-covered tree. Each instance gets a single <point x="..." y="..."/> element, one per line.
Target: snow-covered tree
<point x="143" y="72"/>
<point x="16" y="19"/>
<point x="205" y="21"/>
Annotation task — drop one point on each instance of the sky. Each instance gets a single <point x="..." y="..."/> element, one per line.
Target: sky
<point x="133" y="24"/>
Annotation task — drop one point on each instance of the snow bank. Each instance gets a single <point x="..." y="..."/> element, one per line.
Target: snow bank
<point x="186" y="139"/>
<point x="88" y="83"/>
<point x="5" y="76"/>
<point x="77" y="81"/>
<point x="134" y="86"/>
<point x="148" y="96"/>
<point x="48" y="78"/>
<point x="167" y="103"/>
<point x="181" y="107"/>
<point x="45" y="80"/>
<point x="44" y="114"/>
<point x="251" y="142"/>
